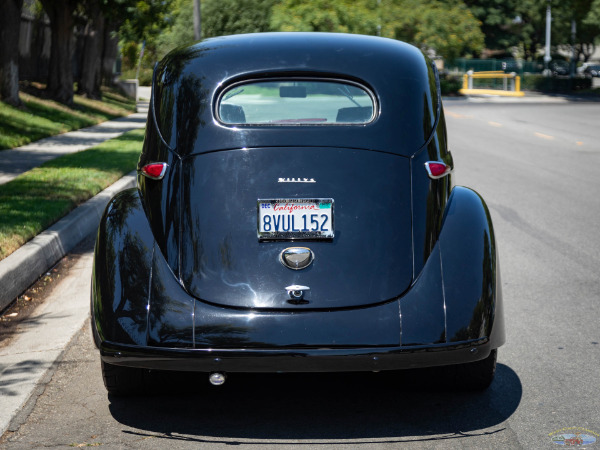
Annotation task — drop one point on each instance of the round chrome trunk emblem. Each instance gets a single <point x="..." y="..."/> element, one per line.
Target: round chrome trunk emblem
<point x="296" y="258"/>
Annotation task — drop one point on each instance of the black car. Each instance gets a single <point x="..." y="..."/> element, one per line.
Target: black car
<point x="592" y="70"/>
<point x="295" y="212"/>
<point x="559" y="67"/>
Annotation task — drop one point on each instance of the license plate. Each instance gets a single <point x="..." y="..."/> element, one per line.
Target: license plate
<point x="296" y="218"/>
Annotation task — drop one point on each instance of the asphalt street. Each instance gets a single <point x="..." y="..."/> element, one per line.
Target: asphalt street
<point x="536" y="165"/>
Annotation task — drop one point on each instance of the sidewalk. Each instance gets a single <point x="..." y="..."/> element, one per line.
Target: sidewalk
<point x="21" y="159"/>
<point x="29" y="359"/>
<point x="20" y="269"/>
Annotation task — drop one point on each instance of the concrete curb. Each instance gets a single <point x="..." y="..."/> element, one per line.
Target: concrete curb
<point x="23" y="267"/>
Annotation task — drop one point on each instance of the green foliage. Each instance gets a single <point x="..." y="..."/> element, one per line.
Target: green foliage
<point x="587" y="18"/>
<point x="499" y="21"/>
<point x="181" y="27"/>
<point x="223" y="17"/>
<point x="38" y="198"/>
<point x="130" y="52"/>
<point x="145" y="20"/>
<point x="144" y="75"/>
<point x="522" y="23"/>
<point x="446" y="27"/>
<point x="342" y="16"/>
<point x="33" y="8"/>
<point x="554" y="85"/>
<point x="450" y="30"/>
<point x="450" y="84"/>
<point x="219" y="18"/>
<point x="593" y="16"/>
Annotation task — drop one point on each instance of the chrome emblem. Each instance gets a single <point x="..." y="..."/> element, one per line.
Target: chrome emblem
<point x="296" y="180"/>
<point x="296" y="258"/>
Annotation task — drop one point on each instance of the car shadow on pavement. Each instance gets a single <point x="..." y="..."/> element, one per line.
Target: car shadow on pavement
<point x="301" y="408"/>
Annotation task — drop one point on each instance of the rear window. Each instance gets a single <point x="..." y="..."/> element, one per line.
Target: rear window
<point x="296" y="102"/>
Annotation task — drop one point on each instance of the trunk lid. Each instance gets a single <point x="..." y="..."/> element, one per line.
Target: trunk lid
<point x="368" y="261"/>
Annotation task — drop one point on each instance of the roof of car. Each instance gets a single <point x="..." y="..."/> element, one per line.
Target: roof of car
<point x="189" y="80"/>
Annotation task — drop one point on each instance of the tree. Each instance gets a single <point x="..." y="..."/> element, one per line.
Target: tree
<point x="90" y="77"/>
<point x="445" y="27"/>
<point x="592" y="19"/>
<point x="498" y="21"/>
<point x="342" y="16"/>
<point x="180" y="30"/>
<point x="110" y="51"/>
<point x="60" y="72"/>
<point x="532" y="27"/>
<point x="102" y="19"/>
<point x="219" y="18"/>
<point x="10" y="23"/>
<point x="145" y="21"/>
<point x="586" y="15"/>
<point x="223" y="17"/>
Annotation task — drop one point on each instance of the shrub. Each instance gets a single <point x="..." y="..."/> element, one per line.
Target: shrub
<point x="450" y="84"/>
<point x="554" y="84"/>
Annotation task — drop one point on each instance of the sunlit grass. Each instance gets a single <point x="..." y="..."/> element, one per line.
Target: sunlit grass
<point x="36" y="199"/>
<point x="39" y="118"/>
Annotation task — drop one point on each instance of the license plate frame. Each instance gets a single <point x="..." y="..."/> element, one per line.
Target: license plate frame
<point x="295" y="219"/>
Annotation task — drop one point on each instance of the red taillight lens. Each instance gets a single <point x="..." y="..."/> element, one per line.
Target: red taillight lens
<point x="155" y="170"/>
<point x="437" y="169"/>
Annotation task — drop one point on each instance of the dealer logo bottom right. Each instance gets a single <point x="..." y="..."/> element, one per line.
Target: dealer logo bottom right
<point x="574" y="437"/>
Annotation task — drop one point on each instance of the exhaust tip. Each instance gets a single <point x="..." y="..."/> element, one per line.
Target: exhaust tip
<point x="216" y="378"/>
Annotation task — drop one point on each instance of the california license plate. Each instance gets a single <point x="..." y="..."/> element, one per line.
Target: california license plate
<point x="295" y="218"/>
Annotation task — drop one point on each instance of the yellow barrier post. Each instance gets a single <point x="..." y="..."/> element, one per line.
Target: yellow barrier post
<point x="515" y="83"/>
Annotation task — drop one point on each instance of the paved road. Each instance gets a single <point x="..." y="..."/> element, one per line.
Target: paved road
<point x="536" y="166"/>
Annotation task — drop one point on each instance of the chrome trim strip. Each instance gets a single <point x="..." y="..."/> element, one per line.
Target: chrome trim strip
<point x="295" y="180"/>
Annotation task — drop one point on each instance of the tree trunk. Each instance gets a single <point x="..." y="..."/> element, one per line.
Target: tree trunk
<point x="110" y="51"/>
<point x="60" y="73"/>
<point x="587" y="49"/>
<point x="90" y="78"/>
<point x="10" y="28"/>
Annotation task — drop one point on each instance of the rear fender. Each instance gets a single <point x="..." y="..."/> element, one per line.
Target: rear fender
<point x="121" y="272"/>
<point x="127" y="265"/>
<point x="470" y="270"/>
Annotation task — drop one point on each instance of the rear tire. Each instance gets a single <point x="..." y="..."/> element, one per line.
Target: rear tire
<point x="475" y="376"/>
<point x="122" y="381"/>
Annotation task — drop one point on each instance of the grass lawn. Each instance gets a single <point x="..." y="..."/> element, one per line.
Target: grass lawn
<point x="39" y="118"/>
<point x="36" y="199"/>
